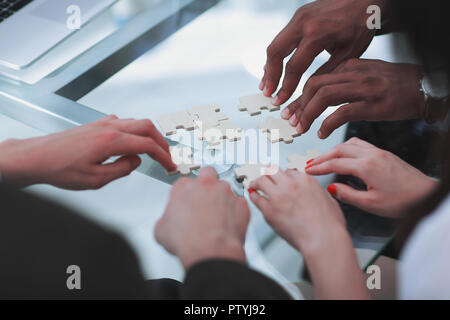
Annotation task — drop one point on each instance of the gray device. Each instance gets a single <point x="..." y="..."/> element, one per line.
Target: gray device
<point x="30" y="28"/>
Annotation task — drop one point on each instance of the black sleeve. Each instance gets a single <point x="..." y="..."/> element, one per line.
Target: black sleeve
<point x="40" y="240"/>
<point x="229" y="280"/>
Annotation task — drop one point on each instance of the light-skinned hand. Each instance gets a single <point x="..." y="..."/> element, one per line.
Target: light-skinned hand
<point x="392" y="184"/>
<point x="74" y="159"/>
<point x="204" y="220"/>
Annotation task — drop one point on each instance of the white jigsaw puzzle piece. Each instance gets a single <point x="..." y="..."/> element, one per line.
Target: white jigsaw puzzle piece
<point x="170" y="122"/>
<point x="255" y="103"/>
<point x="182" y="157"/>
<point x="209" y="113"/>
<point x="278" y="130"/>
<point x="298" y="162"/>
<point x="250" y="172"/>
<point x="214" y="134"/>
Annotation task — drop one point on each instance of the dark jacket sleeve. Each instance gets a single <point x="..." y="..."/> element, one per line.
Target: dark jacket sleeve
<point x="229" y="280"/>
<point x="39" y="240"/>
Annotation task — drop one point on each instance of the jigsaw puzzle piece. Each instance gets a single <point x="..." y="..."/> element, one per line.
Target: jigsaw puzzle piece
<point x="298" y="162"/>
<point x="255" y="103"/>
<point x="231" y="131"/>
<point x="250" y="172"/>
<point x="170" y="122"/>
<point x="182" y="157"/>
<point x="214" y="134"/>
<point x="278" y="130"/>
<point x="210" y="113"/>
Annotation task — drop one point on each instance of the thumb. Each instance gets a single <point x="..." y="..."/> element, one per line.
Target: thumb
<point x="120" y="168"/>
<point x="349" y="195"/>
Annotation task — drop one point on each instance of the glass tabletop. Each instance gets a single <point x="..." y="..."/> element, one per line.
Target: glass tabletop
<point x="160" y="56"/>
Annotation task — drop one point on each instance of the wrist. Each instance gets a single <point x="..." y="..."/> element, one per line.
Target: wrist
<point x="435" y="93"/>
<point x="16" y="167"/>
<point x="427" y="186"/>
<point x="325" y="243"/>
<point x="216" y="248"/>
<point x="334" y="269"/>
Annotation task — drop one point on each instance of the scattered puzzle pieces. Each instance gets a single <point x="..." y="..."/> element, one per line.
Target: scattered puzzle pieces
<point x="182" y="157"/>
<point x="170" y="122"/>
<point x="298" y="162"/>
<point x="250" y="172"/>
<point x="214" y="134"/>
<point x="278" y="130"/>
<point x="255" y="103"/>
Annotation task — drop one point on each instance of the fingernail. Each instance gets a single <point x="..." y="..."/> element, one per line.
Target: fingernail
<point x="299" y="128"/>
<point x="261" y="85"/>
<point x="285" y="113"/>
<point x="332" y="189"/>
<point x="136" y="162"/>
<point x="309" y="161"/>
<point x="307" y="167"/>
<point x="266" y="91"/>
<point x="276" y="101"/>
<point x="320" y="134"/>
<point x="293" y="120"/>
<point x="250" y="191"/>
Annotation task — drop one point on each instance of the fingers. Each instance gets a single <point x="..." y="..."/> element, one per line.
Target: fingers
<point x="343" y="150"/>
<point x="144" y="128"/>
<point x="264" y="184"/>
<point x="297" y="65"/>
<point x="347" y="194"/>
<point x="331" y="95"/>
<point x="344" y="166"/>
<point x="318" y="81"/>
<point x="262" y="203"/>
<point x="106" y="119"/>
<point x="360" y="143"/>
<point x="120" y="168"/>
<point x="284" y="43"/>
<point x="132" y="144"/>
<point x="310" y="89"/>
<point x="335" y="60"/>
<point x="350" y="112"/>
<point x="275" y="174"/>
<point x="208" y="174"/>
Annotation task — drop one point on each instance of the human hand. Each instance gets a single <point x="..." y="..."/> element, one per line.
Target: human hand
<point x="392" y="184"/>
<point x="340" y="27"/>
<point x="372" y="90"/>
<point x="203" y="220"/>
<point x="74" y="159"/>
<point x="298" y="209"/>
<point x="302" y="212"/>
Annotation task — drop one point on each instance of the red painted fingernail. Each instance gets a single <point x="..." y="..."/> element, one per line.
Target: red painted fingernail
<point x="250" y="191"/>
<point x="309" y="161"/>
<point x="332" y="189"/>
<point x="307" y="167"/>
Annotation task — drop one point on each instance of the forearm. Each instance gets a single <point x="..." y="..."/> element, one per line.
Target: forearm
<point x="335" y="271"/>
<point x="15" y="170"/>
